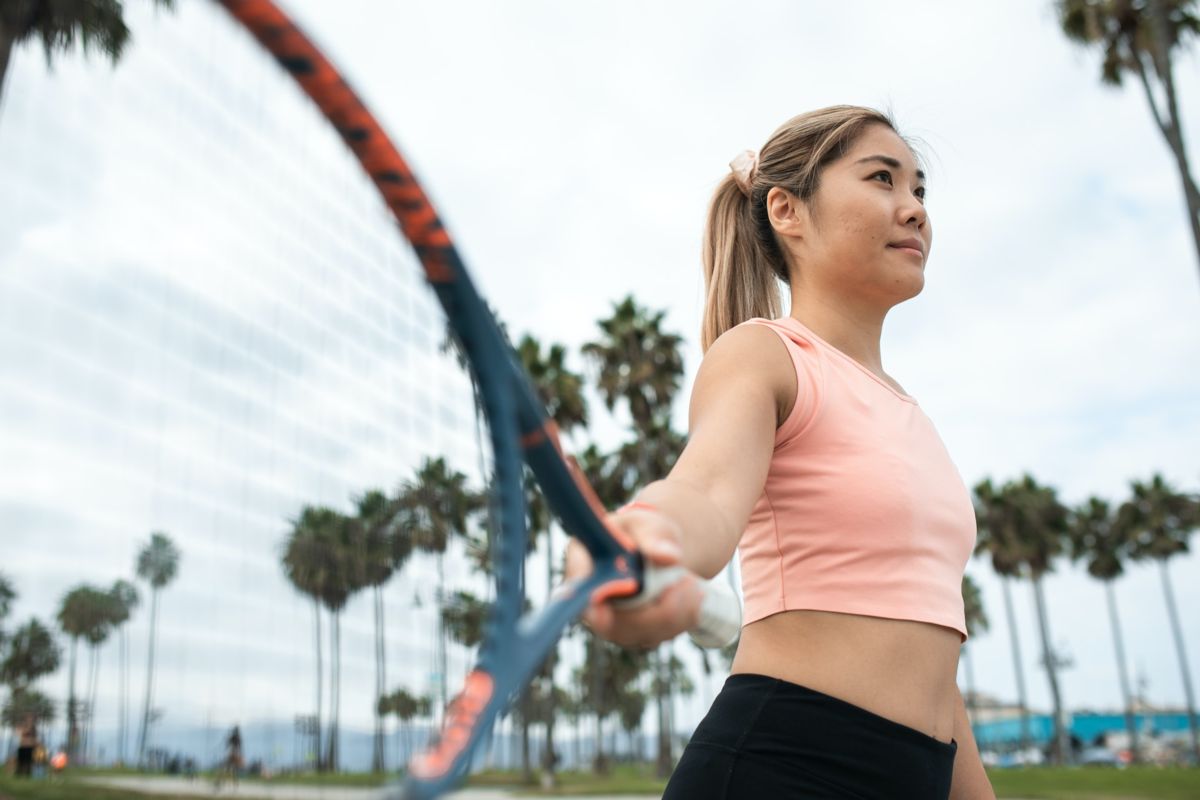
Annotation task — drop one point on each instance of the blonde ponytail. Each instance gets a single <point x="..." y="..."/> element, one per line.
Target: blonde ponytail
<point x="739" y="273"/>
<point x="742" y="258"/>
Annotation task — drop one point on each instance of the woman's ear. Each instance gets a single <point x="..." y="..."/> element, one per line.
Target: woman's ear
<point x="788" y="214"/>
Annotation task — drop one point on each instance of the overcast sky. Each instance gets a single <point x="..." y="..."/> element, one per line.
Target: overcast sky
<point x="572" y="148"/>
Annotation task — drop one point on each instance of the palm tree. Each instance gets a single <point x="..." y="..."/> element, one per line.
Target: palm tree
<point x="639" y="364"/>
<point x="436" y="506"/>
<point x="80" y="612"/>
<point x="677" y="682"/>
<point x="603" y="680"/>
<point x="124" y="600"/>
<point x="631" y="708"/>
<point x="157" y="564"/>
<point x="341" y="578"/>
<point x="1100" y="537"/>
<point x="1160" y="520"/>
<point x="463" y="617"/>
<point x="27" y="655"/>
<point x="99" y="628"/>
<point x="1140" y="39"/>
<point x="23" y="703"/>
<point x="59" y="23"/>
<point x="998" y="538"/>
<point x="606" y="474"/>
<point x="977" y="622"/>
<point x="381" y="552"/>
<point x="30" y="653"/>
<point x="561" y="392"/>
<point x="305" y="566"/>
<point x="405" y="707"/>
<point x="600" y="470"/>
<point x="1042" y="528"/>
<point x="8" y="594"/>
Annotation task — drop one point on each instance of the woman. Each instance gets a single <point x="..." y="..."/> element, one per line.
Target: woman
<point x="853" y="524"/>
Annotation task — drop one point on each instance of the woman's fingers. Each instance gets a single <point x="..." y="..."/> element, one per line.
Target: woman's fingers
<point x="668" y="615"/>
<point x="577" y="562"/>
<point x="675" y="610"/>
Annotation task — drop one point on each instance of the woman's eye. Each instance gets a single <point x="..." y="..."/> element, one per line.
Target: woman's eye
<point x="887" y="176"/>
<point x="920" y="193"/>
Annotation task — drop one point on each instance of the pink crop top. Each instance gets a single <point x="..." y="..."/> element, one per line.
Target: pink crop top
<point x="863" y="511"/>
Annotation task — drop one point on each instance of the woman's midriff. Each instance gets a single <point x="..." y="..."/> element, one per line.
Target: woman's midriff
<point x="902" y="670"/>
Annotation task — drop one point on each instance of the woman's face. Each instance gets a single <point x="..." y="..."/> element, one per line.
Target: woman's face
<point x="866" y="236"/>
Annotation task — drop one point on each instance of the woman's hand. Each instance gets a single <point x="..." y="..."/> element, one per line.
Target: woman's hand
<point x="676" y="610"/>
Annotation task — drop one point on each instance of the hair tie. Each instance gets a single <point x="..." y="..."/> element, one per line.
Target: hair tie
<point x="743" y="168"/>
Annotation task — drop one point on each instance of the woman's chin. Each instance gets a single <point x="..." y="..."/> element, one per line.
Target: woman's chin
<point x="907" y="287"/>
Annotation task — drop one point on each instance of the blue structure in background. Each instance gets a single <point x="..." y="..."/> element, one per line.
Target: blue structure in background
<point x="1084" y="727"/>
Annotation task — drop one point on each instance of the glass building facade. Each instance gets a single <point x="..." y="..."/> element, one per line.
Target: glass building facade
<point x="207" y="323"/>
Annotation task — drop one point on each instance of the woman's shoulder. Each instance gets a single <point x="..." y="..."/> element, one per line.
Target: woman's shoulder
<point x="755" y="352"/>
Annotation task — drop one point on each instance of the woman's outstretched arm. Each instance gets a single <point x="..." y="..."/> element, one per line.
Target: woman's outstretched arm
<point x="697" y="513"/>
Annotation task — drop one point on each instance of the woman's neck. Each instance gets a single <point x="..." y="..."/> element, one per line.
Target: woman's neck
<point x="856" y="333"/>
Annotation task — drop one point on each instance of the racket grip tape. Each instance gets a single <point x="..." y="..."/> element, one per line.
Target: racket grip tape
<point x="720" y="617"/>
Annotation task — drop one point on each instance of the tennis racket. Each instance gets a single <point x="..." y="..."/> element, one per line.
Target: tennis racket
<point x="513" y="646"/>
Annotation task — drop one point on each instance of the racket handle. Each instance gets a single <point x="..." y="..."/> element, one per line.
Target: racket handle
<point x="720" y="611"/>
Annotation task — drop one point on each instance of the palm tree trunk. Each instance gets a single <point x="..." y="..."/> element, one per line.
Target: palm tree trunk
<point x="1176" y="139"/>
<point x="123" y="701"/>
<point x="578" y="728"/>
<point x="335" y="669"/>
<point x="72" y="706"/>
<point x="377" y="750"/>
<point x="1018" y="663"/>
<point x="1122" y="672"/>
<point x="443" y="699"/>
<point x="1173" y="614"/>
<point x="526" y="765"/>
<point x="1050" y="660"/>
<point x="549" y="758"/>
<point x="400" y="732"/>
<point x="144" y="732"/>
<point x="320" y="765"/>
<point x="1167" y="120"/>
<point x="599" y="764"/>
<point x="664" y="758"/>
<point x="85" y="706"/>
<point x="89" y="724"/>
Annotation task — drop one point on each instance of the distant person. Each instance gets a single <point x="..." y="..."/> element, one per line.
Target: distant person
<point x="232" y="764"/>
<point x="40" y="757"/>
<point x="26" y="746"/>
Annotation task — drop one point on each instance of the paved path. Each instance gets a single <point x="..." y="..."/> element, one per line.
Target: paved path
<point x="278" y="791"/>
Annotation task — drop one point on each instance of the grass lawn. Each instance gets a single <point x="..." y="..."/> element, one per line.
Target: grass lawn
<point x="1083" y="783"/>
<point x="1035" y="783"/>
<point x="1044" y="783"/>
<point x="624" y="779"/>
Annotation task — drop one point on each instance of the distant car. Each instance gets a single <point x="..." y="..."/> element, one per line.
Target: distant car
<point x="1099" y="757"/>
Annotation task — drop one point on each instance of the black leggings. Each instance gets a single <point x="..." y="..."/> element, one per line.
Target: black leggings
<point x="768" y="739"/>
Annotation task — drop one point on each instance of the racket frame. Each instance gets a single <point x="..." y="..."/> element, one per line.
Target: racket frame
<point x="513" y="647"/>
